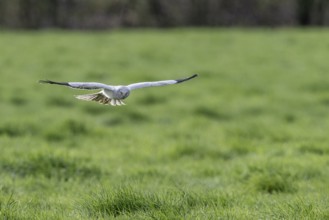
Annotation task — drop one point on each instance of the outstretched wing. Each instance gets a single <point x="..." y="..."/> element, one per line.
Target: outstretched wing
<point x="158" y="83"/>
<point x="80" y="85"/>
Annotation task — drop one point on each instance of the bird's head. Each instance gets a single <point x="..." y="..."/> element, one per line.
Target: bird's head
<point x="123" y="92"/>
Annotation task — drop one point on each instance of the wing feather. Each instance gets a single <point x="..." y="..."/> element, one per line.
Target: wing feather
<point x="80" y="85"/>
<point x="159" y="83"/>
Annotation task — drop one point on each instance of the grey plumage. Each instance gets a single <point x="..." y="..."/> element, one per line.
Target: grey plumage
<point x="110" y="94"/>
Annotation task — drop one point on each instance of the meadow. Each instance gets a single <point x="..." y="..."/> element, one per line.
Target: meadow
<point x="247" y="139"/>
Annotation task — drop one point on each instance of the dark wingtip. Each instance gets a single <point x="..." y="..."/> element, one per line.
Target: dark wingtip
<point x="53" y="82"/>
<point x="44" y="81"/>
<point x="185" y="79"/>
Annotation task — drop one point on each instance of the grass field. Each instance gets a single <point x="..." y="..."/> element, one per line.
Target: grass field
<point x="247" y="139"/>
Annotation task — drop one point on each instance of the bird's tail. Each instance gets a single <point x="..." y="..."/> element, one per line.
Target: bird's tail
<point x="100" y="98"/>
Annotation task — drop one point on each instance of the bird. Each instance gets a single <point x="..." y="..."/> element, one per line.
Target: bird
<point x="110" y="94"/>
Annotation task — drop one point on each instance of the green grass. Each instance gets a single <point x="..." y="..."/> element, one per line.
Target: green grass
<point x="247" y="139"/>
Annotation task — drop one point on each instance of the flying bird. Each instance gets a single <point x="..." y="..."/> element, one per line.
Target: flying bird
<point x="112" y="95"/>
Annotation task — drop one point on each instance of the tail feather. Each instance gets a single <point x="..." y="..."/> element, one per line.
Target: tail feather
<point x="97" y="97"/>
<point x="100" y="98"/>
<point x="119" y="102"/>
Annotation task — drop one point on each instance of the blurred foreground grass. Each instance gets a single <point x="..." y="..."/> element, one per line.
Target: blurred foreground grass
<point x="247" y="139"/>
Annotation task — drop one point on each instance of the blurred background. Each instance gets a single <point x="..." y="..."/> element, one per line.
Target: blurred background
<point x="101" y="14"/>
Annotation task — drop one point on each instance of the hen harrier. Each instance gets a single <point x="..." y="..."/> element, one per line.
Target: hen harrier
<point x="110" y="94"/>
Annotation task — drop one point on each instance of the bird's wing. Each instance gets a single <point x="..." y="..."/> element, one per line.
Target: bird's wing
<point x="158" y="83"/>
<point x="100" y="97"/>
<point x="80" y="85"/>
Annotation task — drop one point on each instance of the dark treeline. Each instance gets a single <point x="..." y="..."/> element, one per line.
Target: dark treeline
<point x="161" y="13"/>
